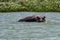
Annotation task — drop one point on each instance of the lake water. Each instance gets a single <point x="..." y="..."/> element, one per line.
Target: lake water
<point x="10" y="29"/>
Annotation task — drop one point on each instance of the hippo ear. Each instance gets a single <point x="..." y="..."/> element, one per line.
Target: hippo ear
<point x="44" y="17"/>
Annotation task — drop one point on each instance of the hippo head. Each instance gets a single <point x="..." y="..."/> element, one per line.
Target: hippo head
<point x="41" y="19"/>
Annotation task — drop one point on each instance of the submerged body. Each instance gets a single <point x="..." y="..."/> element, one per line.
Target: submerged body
<point x="32" y="19"/>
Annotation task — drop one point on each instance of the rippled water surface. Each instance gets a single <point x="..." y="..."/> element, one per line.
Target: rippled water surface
<point x="10" y="29"/>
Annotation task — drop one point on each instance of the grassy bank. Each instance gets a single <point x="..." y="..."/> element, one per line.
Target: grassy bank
<point x="30" y="5"/>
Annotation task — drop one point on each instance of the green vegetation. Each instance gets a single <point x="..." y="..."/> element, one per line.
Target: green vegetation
<point x="30" y="5"/>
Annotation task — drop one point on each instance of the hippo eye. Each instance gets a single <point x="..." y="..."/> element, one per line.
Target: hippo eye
<point x="43" y="18"/>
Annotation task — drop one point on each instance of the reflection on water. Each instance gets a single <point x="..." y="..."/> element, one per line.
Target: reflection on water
<point x="10" y="29"/>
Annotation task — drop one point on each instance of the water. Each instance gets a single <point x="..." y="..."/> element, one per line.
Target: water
<point x="10" y="29"/>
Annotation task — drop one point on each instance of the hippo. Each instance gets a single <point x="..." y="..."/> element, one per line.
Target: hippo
<point x="33" y="19"/>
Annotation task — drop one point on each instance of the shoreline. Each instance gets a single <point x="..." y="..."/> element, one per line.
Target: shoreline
<point x="30" y="6"/>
